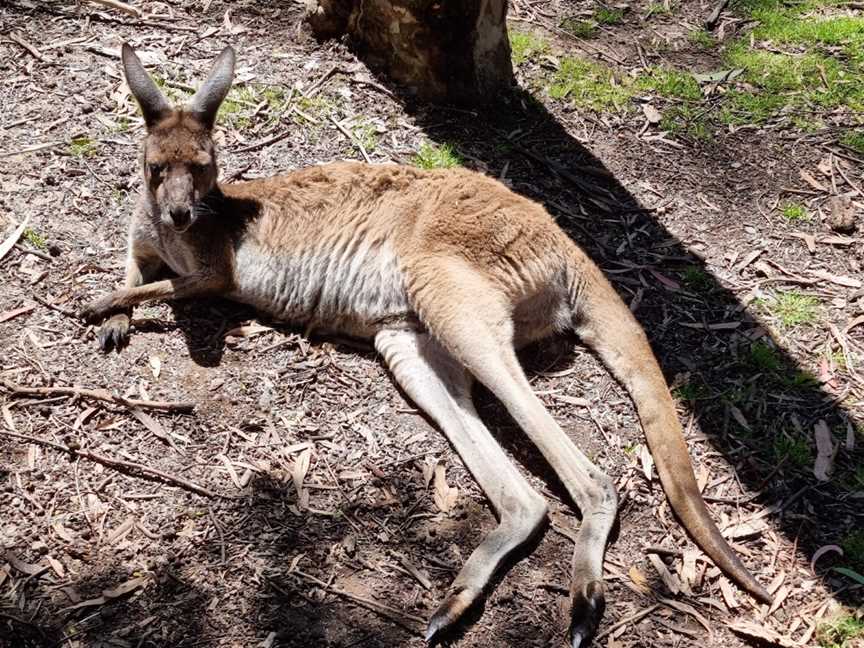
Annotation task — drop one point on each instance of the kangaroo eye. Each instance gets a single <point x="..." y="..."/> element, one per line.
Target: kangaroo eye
<point x="155" y="169"/>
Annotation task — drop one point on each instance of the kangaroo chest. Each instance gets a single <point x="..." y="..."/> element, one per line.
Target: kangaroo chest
<point x="353" y="287"/>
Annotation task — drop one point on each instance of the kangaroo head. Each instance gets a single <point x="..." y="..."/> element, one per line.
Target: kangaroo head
<point x="179" y="156"/>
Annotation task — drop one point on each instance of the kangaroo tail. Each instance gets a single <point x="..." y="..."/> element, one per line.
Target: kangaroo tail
<point x="604" y="323"/>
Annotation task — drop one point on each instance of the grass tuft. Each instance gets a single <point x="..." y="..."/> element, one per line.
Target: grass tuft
<point x="525" y="45"/>
<point x="854" y="139"/>
<point x="794" y="450"/>
<point x="793" y="308"/>
<point x="853" y="549"/>
<point x="609" y="16"/>
<point x="83" y="147"/>
<point x="579" y="28"/>
<point x="589" y="85"/>
<point x="765" y="357"/>
<point x="701" y="38"/>
<point x="34" y="238"/>
<point x="795" y="212"/>
<point x="845" y="631"/>
<point x="442" y="156"/>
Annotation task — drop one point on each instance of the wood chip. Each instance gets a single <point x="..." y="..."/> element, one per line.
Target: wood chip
<point x="12" y="314"/>
<point x="639" y="579"/>
<point x="121" y="531"/>
<point x="420" y="576"/>
<point x="728" y="593"/>
<point x="249" y="330"/>
<point x="762" y="632"/>
<point x="232" y="472"/>
<point x="669" y="579"/>
<point x="8" y="421"/>
<point x="825" y="451"/>
<point x="813" y="182"/>
<point x="779" y="598"/>
<point x="688" y="609"/>
<point x="7" y="245"/>
<point x="24" y="567"/>
<point x="124" y="588"/>
<point x="572" y="400"/>
<point x="57" y="566"/>
<point x="840" y="280"/>
<point x="444" y="495"/>
<point x="119" y="6"/>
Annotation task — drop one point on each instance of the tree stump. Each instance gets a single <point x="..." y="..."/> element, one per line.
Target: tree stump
<point x="441" y="50"/>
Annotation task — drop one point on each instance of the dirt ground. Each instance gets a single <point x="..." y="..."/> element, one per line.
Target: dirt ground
<point x="317" y="506"/>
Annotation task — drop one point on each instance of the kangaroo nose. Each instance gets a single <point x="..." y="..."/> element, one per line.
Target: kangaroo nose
<point x="180" y="216"/>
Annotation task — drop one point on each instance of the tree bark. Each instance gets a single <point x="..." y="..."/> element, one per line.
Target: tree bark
<point x="441" y="50"/>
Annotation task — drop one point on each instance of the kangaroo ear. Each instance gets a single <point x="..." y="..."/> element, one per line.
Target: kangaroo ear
<point x="209" y="97"/>
<point x="153" y="103"/>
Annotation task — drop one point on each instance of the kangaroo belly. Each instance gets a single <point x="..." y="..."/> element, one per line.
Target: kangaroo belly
<point x="354" y="291"/>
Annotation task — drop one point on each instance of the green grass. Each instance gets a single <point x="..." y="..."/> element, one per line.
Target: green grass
<point x="316" y="107"/>
<point x="34" y="238"/>
<point x="658" y="9"/>
<point x="795" y="212"/>
<point x="83" y="147"/>
<point x="799" y="63"/>
<point x="764" y="357"/>
<point x="366" y="135"/>
<point x="840" y="632"/>
<point x="582" y="28"/>
<point x="854" y="139"/>
<point x="690" y="391"/>
<point x="442" y="156"/>
<point x="589" y="85"/>
<point x="579" y="28"/>
<point x="609" y="16"/>
<point x="696" y="279"/>
<point x="794" y="450"/>
<point x="802" y="58"/>
<point x="792" y="308"/>
<point x="241" y="107"/>
<point x="777" y="372"/>
<point x="525" y="45"/>
<point x="701" y="38"/>
<point x="670" y="83"/>
<point x="853" y="549"/>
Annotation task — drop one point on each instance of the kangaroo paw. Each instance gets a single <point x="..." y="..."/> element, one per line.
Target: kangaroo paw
<point x="589" y="602"/>
<point x="450" y="610"/>
<point x="114" y="332"/>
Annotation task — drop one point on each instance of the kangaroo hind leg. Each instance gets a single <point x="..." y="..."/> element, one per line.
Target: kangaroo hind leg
<point x="473" y="320"/>
<point x="433" y="379"/>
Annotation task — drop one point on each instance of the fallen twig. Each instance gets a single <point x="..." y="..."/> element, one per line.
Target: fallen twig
<point x="30" y="149"/>
<point x="714" y="16"/>
<point x="119" y="6"/>
<point x="267" y="142"/>
<point x="351" y="138"/>
<point x="54" y="307"/>
<point x="100" y="395"/>
<point x="7" y="245"/>
<point x="111" y="462"/>
<point x="400" y="617"/>
<point x="27" y="46"/>
<point x="626" y="620"/>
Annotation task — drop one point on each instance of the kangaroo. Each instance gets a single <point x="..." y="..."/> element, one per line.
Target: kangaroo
<point x="448" y="272"/>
